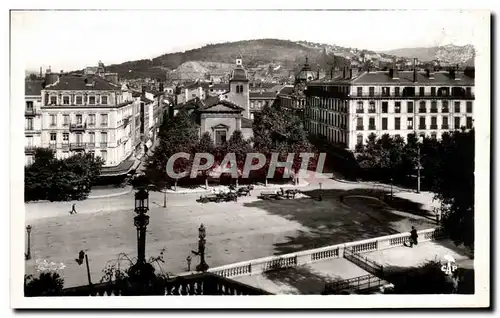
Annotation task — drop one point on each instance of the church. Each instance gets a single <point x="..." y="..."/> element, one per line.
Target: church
<point x="221" y="115"/>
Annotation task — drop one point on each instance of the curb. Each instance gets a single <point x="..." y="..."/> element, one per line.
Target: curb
<point x="109" y="195"/>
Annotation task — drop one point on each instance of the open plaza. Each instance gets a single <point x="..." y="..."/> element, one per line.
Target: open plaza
<point x="238" y="231"/>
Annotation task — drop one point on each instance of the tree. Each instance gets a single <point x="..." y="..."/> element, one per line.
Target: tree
<point x="47" y="284"/>
<point x="205" y="145"/>
<point x="453" y="184"/>
<point x="54" y="179"/>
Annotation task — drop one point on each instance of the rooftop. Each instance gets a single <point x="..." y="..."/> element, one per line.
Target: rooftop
<point x="33" y="87"/>
<point x="266" y="95"/>
<point x="83" y="83"/>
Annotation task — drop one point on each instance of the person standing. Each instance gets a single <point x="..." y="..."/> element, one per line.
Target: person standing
<point x="413" y="236"/>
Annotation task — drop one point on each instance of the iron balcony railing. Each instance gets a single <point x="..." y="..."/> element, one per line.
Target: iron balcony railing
<point x="77" y="126"/>
<point x="360" y="128"/>
<point x="412" y="96"/>
<point x="444" y="126"/>
<point x="434" y="126"/>
<point x="77" y="146"/>
<point x="31" y="112"/>
<point x="103" y="145"/>
<point x="29" y="149"/>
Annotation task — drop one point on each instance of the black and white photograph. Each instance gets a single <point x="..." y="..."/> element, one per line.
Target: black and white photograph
<point x="270" y="154"/>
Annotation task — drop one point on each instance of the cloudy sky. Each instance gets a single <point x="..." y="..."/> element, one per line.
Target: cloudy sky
<point x="69" y="40"/>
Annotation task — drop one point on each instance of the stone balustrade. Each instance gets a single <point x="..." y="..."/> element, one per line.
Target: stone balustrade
<point x="257" y="266"/>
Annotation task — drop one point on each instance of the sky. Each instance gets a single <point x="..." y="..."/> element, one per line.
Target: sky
<point x="69" y="40"/>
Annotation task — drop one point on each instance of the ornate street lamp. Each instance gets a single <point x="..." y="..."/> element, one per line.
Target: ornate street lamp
<point x="202" y="233"/>
<point x="141" y="221"/>
<point x="28" y="230"/>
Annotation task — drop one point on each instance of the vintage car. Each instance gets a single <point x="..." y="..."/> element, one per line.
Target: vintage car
<point x="244" y="191"/>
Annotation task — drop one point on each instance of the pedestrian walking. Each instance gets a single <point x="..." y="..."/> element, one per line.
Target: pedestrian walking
<point x="413" y="237"/>
<point x="73" y="209"/>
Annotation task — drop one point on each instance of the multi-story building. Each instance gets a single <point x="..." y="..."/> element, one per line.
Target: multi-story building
<point x="348" y="108"/>
<point x="259" y="100"/>
<point x="32" y="118"/>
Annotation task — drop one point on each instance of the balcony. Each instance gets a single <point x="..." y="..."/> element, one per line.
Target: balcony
<point x="412" y="96"/>
<point x="409" y="127"/>
<point x="422" y="127"/>
<point x="91" y="124"/>
<point x="371" y="111"/>
<point x="65" y="146"/>
<point x="29" y="149"/>
<point x="434" y="110"/>
<point x="445" y="126"/>
<point x="445" y="110"/>
<point x="360" y="128"/>
<point x="103" y="145"/>
<point x="52" y="145"/>
<point x="422" y="110"/>
<point x="90" y="145"/>
<point x="75" y="146"/>
<point x="360" y="111"/>
<point x="31" y="112"/>
<point x="80" y="127"/>
<point x="190" y="285"/>
<point x="371" y="127"/>
<point x="434" y="126"/>
<point x="104" y="124"/>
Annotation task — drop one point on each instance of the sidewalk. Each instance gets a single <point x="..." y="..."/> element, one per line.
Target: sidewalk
<point x="109" y="193"/>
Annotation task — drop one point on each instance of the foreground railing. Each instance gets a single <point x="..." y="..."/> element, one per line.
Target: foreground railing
<point x="190" y="285"/>
<point x="257" y="266"/>
<point x="361" y="283"/>
<point x="363" y="262"/>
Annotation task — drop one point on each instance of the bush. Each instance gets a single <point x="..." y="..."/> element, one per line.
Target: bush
<point x="47" y="284"/>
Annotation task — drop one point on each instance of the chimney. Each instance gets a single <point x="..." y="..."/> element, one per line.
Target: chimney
<point x="414" y="70"/>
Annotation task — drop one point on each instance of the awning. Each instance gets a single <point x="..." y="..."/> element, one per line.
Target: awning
<point x="121" y="169"/>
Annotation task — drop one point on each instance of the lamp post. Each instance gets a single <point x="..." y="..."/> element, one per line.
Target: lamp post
<point x="420" y="140"/>
<point x="28" y="254"/>
<point x="141" y="221"/>
<point x="203" y="266"/>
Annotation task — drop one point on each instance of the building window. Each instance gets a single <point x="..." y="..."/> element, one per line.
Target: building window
<point x="92" y="138"/>
<point x="53" y="120"/>
<point x="65" y="100"/>
<point x="396" y="91"/>
<point x="421" y="123"/>
<point x="422" y="107"/>
<point x="29" y="106"/>
<point x="359" y="108"/>
<point x="434" y="107"/>
<point x="433" y="91"/>
<point x="359" y="139"/>
<point x="384" y="123"/>
<point x="79" y="100"/>
<point x="410" y="123"/>
<point x="91" y="100"/>
<point x="469" y="107"/>
<point x="397" y="123"/>
<point x="371" y="91"/>
<point x="252" y="105"/>
<point x="468" y="92"/>
<point x="359" y="124"/>
<point x="79" y="119"/>
<point x="104" y="139"/>
<point x="65" y="138"/>
<point x="434" y="122"/>
<point x="104" y="100"/>
<point x="457" y="123"/>
<point x="386" y="91"/>
<point x="371" y="107"/>
<point x="53" y="137"/>
<point x="397" y="107"/>
<point x="444" y="124"/>
<point x="409" y="107"/>
<point x="104" y="119"/>
<point x="91" y="120"/>
<point x="29" y="124"/>
<point x="360" y="91"/>
<point x="220" y="137"/>
<point x="371" y="123"/>
<point x="65" y="120"/>
<point x="468" y="123"/>
<point x="53" y="100"/>
<point x="444" y="107"/>
<point x="385" y="107"/>
<point x="457" y="107"/>
<point x="104" y="155"/>
<point x="421" y="91"/>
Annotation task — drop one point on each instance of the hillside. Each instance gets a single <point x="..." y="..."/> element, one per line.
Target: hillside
<point x="288" y="54"/>
<point x="449" y="53"/>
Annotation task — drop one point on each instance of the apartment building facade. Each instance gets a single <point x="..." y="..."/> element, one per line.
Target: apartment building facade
<point x="87" y="113"/>
<point x="349" y="108"/>
<point x="32" y="118"/>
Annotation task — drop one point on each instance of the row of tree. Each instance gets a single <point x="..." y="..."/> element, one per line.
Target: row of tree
<point x="49" y="178"/>
<point x="447" y="169"/>
<point x="274" y="132"/>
